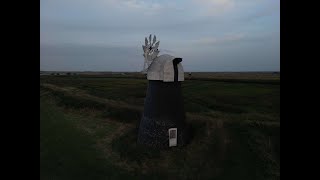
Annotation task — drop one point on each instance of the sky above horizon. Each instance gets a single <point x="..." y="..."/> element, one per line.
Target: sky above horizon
<point x="209" y="35"/>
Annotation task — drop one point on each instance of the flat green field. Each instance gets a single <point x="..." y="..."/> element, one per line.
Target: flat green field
<point x="88" y="130"/>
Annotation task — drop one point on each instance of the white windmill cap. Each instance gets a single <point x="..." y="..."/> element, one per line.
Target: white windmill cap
<point x="162" y="69"/>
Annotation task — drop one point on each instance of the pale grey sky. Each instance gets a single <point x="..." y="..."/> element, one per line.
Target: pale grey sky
<point x="210" y="35"/>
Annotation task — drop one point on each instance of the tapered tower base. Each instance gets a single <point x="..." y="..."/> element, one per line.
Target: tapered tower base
<point x="163" y="109"/>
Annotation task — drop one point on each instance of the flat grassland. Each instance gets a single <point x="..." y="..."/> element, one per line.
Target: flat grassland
<point x="88" y="128"/>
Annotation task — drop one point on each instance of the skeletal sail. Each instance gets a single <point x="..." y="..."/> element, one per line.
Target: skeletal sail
<point x="154" y="40"/>
<point x="150" y="51"/>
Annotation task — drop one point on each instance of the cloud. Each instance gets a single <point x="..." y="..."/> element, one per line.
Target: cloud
<point x="266" y="9"/>
<point x="217" y="3"/>
<point x="220" y="40"/>
<point x="141" y="5"/>
<point x="104" y="32"/>
<point x="69" y="57"/>
<point x="214" y="7"/>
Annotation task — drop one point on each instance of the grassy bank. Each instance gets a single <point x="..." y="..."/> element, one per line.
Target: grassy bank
<point x="89" y="127"/>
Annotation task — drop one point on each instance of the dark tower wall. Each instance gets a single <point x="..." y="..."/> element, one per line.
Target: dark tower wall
<point x="163" y="109"/>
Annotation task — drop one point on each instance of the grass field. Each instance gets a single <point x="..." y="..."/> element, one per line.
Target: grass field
<point x="88" y="129"/>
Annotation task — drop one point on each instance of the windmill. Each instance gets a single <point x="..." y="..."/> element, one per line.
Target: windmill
<point x="163" y="121"/>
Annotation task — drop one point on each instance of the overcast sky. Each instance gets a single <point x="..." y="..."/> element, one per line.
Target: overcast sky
<point x="210" y="35"/>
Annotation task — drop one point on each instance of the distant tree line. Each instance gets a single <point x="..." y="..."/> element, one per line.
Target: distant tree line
<point x="68" y="74"/>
